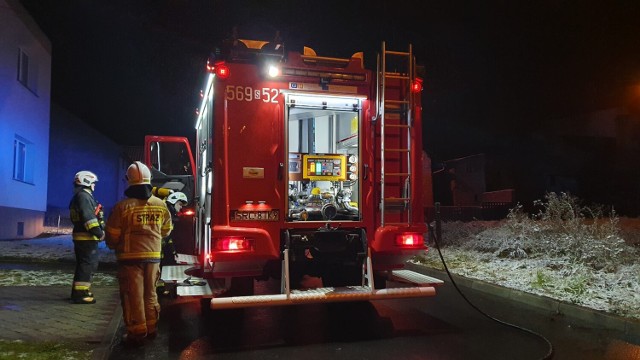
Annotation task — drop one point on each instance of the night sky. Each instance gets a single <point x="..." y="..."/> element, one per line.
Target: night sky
<point x="495" y="70"/>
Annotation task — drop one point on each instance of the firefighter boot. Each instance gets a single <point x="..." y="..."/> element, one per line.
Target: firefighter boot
<point x="82" y="297"/>
<point x="89" y="293"/>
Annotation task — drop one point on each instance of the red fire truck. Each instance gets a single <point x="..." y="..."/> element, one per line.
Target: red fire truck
<point x="306" y="167"/>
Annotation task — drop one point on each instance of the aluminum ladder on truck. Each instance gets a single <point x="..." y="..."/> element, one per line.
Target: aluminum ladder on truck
<point x="396" y="73"/>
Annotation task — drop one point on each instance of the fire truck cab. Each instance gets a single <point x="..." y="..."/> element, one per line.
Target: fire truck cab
<point x="305" y="167"/>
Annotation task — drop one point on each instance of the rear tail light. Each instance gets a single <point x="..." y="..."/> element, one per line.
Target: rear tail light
<point x="234" y="244"/>
<point x="410" y="240"/>
<point x="416" y="86"/>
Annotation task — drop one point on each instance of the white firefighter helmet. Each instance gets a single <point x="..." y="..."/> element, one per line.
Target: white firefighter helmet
<point x="85" y="178"/>
<point x="138" y="174"/>
<point x="177" y="196"/>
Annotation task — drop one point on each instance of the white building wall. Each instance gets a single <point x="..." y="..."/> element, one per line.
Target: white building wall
<point x="24" y="113"/>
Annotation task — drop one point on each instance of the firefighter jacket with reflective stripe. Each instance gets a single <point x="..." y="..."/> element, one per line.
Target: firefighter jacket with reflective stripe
<point x="135" y="229"/>
<point x="84" y="211"/>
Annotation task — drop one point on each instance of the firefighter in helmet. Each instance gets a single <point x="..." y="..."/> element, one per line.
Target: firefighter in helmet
<point x="174" y="202"/>
<point x="135" y="229"/>
<point x="88" y="229"/>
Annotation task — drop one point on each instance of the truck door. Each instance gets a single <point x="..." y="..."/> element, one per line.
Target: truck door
<point x="172" y="167"/>
<point x="250" y="159"/>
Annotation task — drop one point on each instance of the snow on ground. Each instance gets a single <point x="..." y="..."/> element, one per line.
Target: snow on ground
<point x="16" y="277"/>
<point x="614" y="291"/>
<point x="56" y="249"/>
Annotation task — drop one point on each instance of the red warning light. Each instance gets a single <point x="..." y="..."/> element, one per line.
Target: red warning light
<point x="416" y="86"/>
<point x="222" y="71"/>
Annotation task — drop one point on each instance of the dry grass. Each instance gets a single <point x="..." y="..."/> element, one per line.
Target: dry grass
<point x="630" y="231"/>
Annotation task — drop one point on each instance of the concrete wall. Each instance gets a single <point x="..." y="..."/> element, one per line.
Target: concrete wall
<point x="24" y="116"/>
<point x="76" y="146"/>
<point x="468" y="182"/>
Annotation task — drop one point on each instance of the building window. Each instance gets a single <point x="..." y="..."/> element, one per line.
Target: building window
<point x="22" y="160"/>
<point x="23" y="68"/>
<point x="27" y="72"/>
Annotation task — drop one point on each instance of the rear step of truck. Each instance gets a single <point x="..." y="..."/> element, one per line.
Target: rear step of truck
<point x="411" y="285"/>
<point x="420" y="286"/>
<point x="189" y="286"/>
<point x="413" y="278"/>
<point x="321" y="295"/>
<point x="186" y="259"/>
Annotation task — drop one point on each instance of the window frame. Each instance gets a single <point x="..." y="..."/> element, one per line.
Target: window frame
<point x="27" y="71"/>
<point x="22" y="161"/>
<point x="23" y="68"/>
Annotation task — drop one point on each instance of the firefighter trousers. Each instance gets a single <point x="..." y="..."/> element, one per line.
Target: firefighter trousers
<point x="86" y="264"/>
<point x="140" y="307"/>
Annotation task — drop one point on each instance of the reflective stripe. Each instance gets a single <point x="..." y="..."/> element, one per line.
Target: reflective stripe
<point x="83" y="236"/>
<point x="81" y="285"/>
<point x="144" y="209"/>
<point x="139" y="255"/>
<point x="91" y="224"/>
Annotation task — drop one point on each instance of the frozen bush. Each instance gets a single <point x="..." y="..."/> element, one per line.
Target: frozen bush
<point x="564" y="228"/>
<point x="565" y="250"/>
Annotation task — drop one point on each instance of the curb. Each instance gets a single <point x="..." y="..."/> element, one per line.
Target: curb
<point x="103" y="351"/>
<point x="594" y="318"/>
